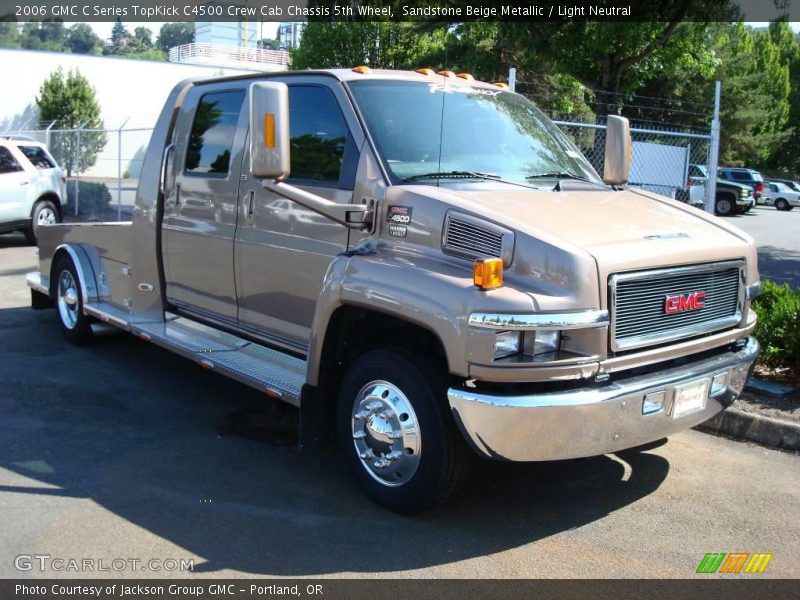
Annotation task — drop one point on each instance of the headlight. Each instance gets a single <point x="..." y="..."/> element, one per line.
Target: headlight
<point x="506" y="343"/>
<point x="542" y="342"/>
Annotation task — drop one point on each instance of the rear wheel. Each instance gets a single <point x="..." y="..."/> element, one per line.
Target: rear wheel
<point x="724" y="205"/>
<point x="44" y="212"/>
<point x="75" y="325"/>
<point x="396" y="432"/>
<point x="782" y="204"/>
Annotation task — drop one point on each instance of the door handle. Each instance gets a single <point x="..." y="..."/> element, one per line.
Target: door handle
<point x="177" y="194"/>
<point x="251" y="200"/>
<point x="25" y="183"/>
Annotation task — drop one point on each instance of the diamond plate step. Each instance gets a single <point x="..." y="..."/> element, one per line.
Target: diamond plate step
<point x="278" y="374"/>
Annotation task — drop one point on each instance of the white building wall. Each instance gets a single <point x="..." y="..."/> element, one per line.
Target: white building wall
<point x="127" y="89"/>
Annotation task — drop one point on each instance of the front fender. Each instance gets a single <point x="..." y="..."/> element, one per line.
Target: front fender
<point x="427" y="291"/>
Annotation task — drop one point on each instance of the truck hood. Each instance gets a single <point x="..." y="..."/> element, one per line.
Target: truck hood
<point x="623" y="230"/>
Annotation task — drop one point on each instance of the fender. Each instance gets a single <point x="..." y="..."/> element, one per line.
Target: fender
<point x="413" y="289"/>
<point x="90" y="291"/>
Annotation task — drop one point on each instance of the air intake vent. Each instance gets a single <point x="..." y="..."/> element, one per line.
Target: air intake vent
<point x="471" y="238"/>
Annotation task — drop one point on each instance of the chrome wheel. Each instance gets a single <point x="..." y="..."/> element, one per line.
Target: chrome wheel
<point x="386" y="433"/>
<point x="67" y="299"/>
<point x="46" y="216"/>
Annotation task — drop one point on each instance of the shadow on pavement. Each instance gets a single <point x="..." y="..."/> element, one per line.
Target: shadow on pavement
<point x="779" y="264"/>
<point x="207" y="464"/>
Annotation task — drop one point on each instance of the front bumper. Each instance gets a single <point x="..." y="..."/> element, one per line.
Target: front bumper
<point x="591" y="421"/>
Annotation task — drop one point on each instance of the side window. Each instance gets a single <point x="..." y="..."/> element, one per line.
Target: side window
<point x="8" y="164"/>
<point x="38" y="157"/>
<point x="740" y="176"/>
<point x="211" y="139"/>
<point x="319" y="134"/>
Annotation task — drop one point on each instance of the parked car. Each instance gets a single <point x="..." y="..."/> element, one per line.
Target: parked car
<point x="792" y="185"/>
<point x="32" y="187"/>
<point x="746" y="176"/>
<point x="731" y="198"/>
<point x="781" y="196"/>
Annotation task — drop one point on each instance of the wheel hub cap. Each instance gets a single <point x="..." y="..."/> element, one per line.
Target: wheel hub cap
<point x="46" y="217"/>
<point x="67" y="299"/>
<point x="386" y="433"/>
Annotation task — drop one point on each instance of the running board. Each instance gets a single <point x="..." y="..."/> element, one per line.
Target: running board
<point x="277" y="374"/>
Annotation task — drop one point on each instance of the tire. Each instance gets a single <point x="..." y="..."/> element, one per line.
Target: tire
<point x="44" y="212"/>
<point x="782" y="204"/>
<point x="724" y="206"/>
<point x="75" y="325"/>
<point x="397" y="434"/>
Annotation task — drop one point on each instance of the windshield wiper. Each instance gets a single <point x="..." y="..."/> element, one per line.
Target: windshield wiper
<point x="468" y="175"/>
<point x="454" y="175"/>
<point x="560" y="175"/>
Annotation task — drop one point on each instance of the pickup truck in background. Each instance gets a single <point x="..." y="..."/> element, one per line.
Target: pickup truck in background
<point x="449" y="277"/>
<point x="731" y="198"/>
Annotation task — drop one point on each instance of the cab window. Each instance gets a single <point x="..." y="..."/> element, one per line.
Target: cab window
<point x="321" y="146"/>
<point x="8" y="164"/>
<point x="213" y="129"/>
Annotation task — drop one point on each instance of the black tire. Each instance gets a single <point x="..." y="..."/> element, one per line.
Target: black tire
<point x="44" y="211"/>
<point x="724" y="205"/>
<point x="422" y="478"/>
<point x="782" y="204"/>
<point x="75" y="325"/>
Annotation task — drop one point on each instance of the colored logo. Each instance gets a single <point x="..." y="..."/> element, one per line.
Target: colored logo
<point x="684" y="302"/>
<point x="734" y="562"/>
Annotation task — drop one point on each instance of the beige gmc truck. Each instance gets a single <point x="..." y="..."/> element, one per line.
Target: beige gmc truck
<point x="422" y="262"/>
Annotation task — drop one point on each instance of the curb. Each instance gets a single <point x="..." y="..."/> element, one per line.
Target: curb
<point x="754" y="428"/>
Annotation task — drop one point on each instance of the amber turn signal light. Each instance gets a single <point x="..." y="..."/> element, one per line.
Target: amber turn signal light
<point x="361" y="70"/>
<point x="487" y="273"/>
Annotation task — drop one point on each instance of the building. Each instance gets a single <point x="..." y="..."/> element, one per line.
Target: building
<point x="232" y="45"/>
<point x="289" y="35"/>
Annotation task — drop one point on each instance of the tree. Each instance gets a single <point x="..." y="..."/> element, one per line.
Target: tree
<point x="71" y="101"/>
<point x="47" y="35"/>
<point x="143" y="37"/>
<point x="119" y="37"/>
<point x="269" y="44"/>
<point x="174" y="34"/>
<point x="9" y="34"/>
<point x="81" y="39"/>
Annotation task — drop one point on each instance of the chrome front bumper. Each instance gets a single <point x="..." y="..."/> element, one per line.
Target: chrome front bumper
<point x="591" y="421"/>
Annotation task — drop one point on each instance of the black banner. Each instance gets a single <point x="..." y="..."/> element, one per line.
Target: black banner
<point x="401" y="10"/>
<point x="393" y="589"/>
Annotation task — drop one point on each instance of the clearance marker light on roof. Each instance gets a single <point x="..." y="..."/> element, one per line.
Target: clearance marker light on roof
<point x="466" y="76"/>
<point x="500" y="84"/>
<point x="426" y="71"/>
<point x="448" y="74"/>
<point x="363" y="70"/>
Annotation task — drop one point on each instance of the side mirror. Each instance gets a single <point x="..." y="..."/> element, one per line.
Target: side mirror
<point x="269" y="130"/>
<point x="617" y="166"/>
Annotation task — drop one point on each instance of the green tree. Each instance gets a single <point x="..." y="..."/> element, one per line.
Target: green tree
<point x="47" y="35"/>
<point x="71" y="102"/>
<point x="120" y="37"/>
<point x="143" y="38"/>
<point x="9" y="35"/>
<point x="81" y="39"/>
<point x="174" y="34"/>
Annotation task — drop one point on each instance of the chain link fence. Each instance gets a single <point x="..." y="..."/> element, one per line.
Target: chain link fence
<point x="102" y="168"/>
<point x="661" y="160"/>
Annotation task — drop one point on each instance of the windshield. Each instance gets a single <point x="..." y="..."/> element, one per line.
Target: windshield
<point x="432" y="130"/>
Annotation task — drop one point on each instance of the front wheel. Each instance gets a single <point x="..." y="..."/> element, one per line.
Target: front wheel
<point x="44" y="213"/>
<point x="397" y="434"/>
<point x="724" y="206"/>
<point x="75" y="325"/>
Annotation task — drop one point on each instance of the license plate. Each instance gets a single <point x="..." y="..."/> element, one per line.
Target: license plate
<point x="690" y="398"/>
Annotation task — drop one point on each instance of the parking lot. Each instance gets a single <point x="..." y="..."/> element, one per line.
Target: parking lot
<point x="121" y="450"/>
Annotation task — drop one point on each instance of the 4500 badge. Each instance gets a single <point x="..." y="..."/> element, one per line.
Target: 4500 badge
<point x="398" y="217"/>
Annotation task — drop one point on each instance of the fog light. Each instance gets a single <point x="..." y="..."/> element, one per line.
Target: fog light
<point x="506" y="343"/>
<point x="654" y="403"/>
<point x="719" y="384"/>
<point x="542" y="342"/>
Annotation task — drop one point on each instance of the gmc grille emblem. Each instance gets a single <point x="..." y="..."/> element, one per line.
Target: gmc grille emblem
<point x="684" y="302"/>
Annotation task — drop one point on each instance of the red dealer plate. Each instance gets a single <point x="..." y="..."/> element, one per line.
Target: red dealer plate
<point x="690" y="397"/>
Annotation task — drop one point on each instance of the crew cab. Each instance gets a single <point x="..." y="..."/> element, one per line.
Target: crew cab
<point x="449" y="279"/>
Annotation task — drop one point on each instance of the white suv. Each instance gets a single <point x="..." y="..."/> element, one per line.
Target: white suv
<point x="32" y="187"/>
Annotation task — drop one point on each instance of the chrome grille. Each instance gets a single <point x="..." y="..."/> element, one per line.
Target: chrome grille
<point x="638" y="315"/>
<point x="471" y="238"/>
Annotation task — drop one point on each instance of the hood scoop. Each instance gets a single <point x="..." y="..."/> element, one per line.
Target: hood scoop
<point x="468" y="237"/>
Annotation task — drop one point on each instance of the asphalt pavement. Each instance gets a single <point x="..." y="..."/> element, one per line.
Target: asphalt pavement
<point x="121" y="450"/>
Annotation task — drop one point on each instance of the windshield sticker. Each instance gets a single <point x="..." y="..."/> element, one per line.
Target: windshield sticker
<point x="399" y="214"/>
<point x="462" y="89"/>
<point x="398" y="230"/>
